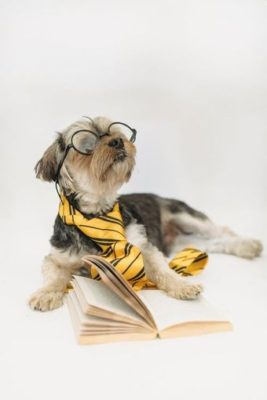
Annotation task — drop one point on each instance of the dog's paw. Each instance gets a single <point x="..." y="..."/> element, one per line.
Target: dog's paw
<point x="248" y="248"/>
<point x="44" y="300"/>
<point x="185" y="291"/>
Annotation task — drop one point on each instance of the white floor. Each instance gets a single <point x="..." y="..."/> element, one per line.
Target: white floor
<point x="41" y="360"/>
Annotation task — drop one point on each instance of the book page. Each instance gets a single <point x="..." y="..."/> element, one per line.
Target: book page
<point x="90" y="324"/>
<point x="95" y="335"/>
<point x="117" y="284"/>
<point x="92" y="321"/>
<point x="99" y="295"/>
<point x="168" y="311"/>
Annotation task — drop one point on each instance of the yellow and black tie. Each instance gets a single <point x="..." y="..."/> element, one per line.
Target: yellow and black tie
<point x="108" y="232"/>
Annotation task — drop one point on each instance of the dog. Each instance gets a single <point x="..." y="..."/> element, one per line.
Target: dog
<point x="90" y="160"/>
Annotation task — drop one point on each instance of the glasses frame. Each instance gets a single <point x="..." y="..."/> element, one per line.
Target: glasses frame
<point x="98" y="135"/>
<point x="134" y="132"/>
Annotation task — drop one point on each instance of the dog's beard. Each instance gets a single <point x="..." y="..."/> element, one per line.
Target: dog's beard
<point x="112" y="165"/>
<point x="106" y="169"/>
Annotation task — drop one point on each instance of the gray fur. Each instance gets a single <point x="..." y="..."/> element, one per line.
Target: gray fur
<point x="144" y="208"/>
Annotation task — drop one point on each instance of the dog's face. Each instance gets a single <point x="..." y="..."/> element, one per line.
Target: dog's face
<point x="107" y="167"/>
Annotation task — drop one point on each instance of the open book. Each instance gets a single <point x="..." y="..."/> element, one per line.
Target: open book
<point x="110" y="310"/>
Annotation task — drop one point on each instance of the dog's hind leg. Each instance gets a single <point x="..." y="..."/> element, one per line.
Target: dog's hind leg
<point x="191" y="227"/>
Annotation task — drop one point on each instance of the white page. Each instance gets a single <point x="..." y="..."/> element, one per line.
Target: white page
<point x="99" y="295"/>
<point x="168" y="311"/>
<point x="89" y="324"/>
<point x="91" y="320"/>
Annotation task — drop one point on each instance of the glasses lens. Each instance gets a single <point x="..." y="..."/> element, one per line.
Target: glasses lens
<point x="84" y="141"/>
<point x="126" y="130"/>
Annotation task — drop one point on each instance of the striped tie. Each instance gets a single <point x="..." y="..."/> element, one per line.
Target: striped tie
<point x="108" y="232"/>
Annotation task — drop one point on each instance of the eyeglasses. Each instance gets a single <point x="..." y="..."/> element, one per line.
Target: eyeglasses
<point x="84" y="141"/>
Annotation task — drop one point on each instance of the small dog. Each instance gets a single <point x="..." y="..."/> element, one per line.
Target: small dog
<point x="90" y="160"/>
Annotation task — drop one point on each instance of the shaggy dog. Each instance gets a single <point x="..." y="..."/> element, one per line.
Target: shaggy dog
<point x="90" y="160"/>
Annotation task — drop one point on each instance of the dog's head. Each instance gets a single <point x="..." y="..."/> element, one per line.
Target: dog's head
<point x="91" y="153"/>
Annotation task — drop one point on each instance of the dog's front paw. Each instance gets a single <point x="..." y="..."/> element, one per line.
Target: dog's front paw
<point x="185" y="291"/>
<point x="44" y="300"/>
<point x="248" y="248"/>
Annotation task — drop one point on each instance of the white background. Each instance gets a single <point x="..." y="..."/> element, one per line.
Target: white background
<point x="191" y="77"/>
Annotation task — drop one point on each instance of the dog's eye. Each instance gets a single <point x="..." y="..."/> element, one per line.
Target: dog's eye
<point x="84" y="142"/>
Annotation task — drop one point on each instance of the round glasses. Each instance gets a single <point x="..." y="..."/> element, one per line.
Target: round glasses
<point x="84" y="140"/>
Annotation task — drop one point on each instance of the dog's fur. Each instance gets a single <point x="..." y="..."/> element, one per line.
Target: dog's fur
<point x="157" y="225"/>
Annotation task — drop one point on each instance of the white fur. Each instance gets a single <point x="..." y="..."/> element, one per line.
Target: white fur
<point x="57" y="270"/>
<point x="92" y="200"/>
<point x="213" y="238"/>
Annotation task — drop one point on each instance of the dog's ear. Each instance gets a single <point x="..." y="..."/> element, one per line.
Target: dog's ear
<point x="46" y="167"/>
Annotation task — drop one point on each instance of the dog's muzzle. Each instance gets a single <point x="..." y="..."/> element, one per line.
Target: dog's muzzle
<point x="116" y="143"/>
<point x="120" y="156"/>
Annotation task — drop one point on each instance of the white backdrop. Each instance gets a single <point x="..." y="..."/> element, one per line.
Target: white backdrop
<point x="189" y="75"/>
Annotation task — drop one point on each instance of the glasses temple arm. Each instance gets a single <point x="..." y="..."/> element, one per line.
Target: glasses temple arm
<point x="58" y="170"/>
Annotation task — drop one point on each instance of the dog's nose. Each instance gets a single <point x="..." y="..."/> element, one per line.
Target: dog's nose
<point x="116" y="143"/>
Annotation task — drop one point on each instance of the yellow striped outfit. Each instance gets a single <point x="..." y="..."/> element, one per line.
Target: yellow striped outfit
<point x="108" y="232"/>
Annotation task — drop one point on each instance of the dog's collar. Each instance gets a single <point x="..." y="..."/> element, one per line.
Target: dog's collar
<point x="74" y="202"/>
